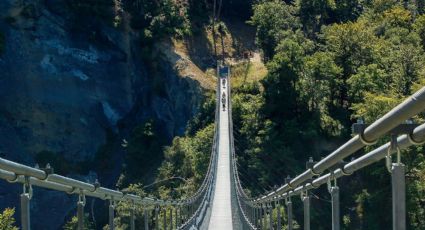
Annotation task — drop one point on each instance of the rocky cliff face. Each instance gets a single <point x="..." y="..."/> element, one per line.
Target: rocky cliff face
<point x="61" y="92"/>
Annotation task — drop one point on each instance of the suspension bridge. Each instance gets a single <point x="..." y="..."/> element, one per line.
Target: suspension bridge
<point x="220" y="203"/>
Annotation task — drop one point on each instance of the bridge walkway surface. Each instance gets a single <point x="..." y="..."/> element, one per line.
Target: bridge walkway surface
<point x="221" y="213"/>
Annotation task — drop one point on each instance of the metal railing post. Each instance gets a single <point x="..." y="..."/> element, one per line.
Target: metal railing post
<point x="264" y="216"/>
<point x="80" y="210"/>
<point x="25" y="205"/>
<point x="145" y="212"/>
<point x="260" y="210"/>
<point x="176" y="217"/>
<point x="111" y="214"/>
<point x="306" y="204"/>
<point x="270" y="216"/>
<point x="251" y="214"/>
<point x="279" y="218"/>
<point x="171" y="218"/>
<point x="165" y="218"/>
<point x="289" y="207"/>
<point x="132" y="217"/>
<point x="255" y="216"/>
<point x="180" y="215"/>
<point x="335" y="208"/>
<point x="157" y="218"/>
<point x="399" y="196"/>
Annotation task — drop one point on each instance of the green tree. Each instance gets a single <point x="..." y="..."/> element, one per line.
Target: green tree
<point x="367" y="79"/>
<point x="319" y="77"/>
<point x="144" y="152"/>
<point x="348" y="10"/>
<point x="352" y="45"/>
<point x="419" y="27"/>
<point x="271" y="18"/>
<point x="314" y="13"/>
<point x="281" y="95"/>
<point x="186" y="160"/>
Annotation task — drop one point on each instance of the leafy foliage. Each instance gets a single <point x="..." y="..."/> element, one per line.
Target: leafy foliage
<point x="272" y="18"/>
<point x="186" y="160"/>
<point x="343" y="60"/>
<point x="7" y="221"/>
<point x="144" y="152"/>
<point x="73" y="224"/>
<point x="122" y="218"/>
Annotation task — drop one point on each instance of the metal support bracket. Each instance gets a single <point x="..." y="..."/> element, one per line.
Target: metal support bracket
<point x="96" y="185"/>
<point x="48" y="170"/>
<point x="288" y="182"/>
<point x="310" y="165"/>
<point x="340" y="165"/>
<point x="359" y="128"/>
<point x="388" y="157"/>
<point x="331" y="185"/>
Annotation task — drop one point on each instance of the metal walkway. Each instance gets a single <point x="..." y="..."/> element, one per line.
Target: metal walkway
<point x="221" y="214"/>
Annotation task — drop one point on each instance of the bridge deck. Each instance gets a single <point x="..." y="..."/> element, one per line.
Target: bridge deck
<point x="221" y="215"/>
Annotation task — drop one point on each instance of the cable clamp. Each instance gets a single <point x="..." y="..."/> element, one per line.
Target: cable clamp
<point x="331" y="185"/>
<point x="340" y="165"/>
<point x="303" y="194"/>
<point x="344" y="172"/>
<point x="82" y="198"/>
<point x="72" y="190"/>
<point x="310" y="165"/>
<point x="288" y="182"/>
<point x="359" y="128"/>
<point x="27" y="187"/>
<point x="388" y="158"/>
<point x="288" y="200"/>
<point x="48" y="170"/>
<point x="112" y="202"/>
<point x="15" y="178"/>
<point x="96" y="185"/>
<point x="413" y="141"/>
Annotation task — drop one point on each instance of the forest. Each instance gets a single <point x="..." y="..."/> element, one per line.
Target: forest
<point x="329" y="64"/>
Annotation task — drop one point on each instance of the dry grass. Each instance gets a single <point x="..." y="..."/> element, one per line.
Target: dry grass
<point x="178" y="57"/>
<point x="252" y="70"/>
<point x="188" y="56"/>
